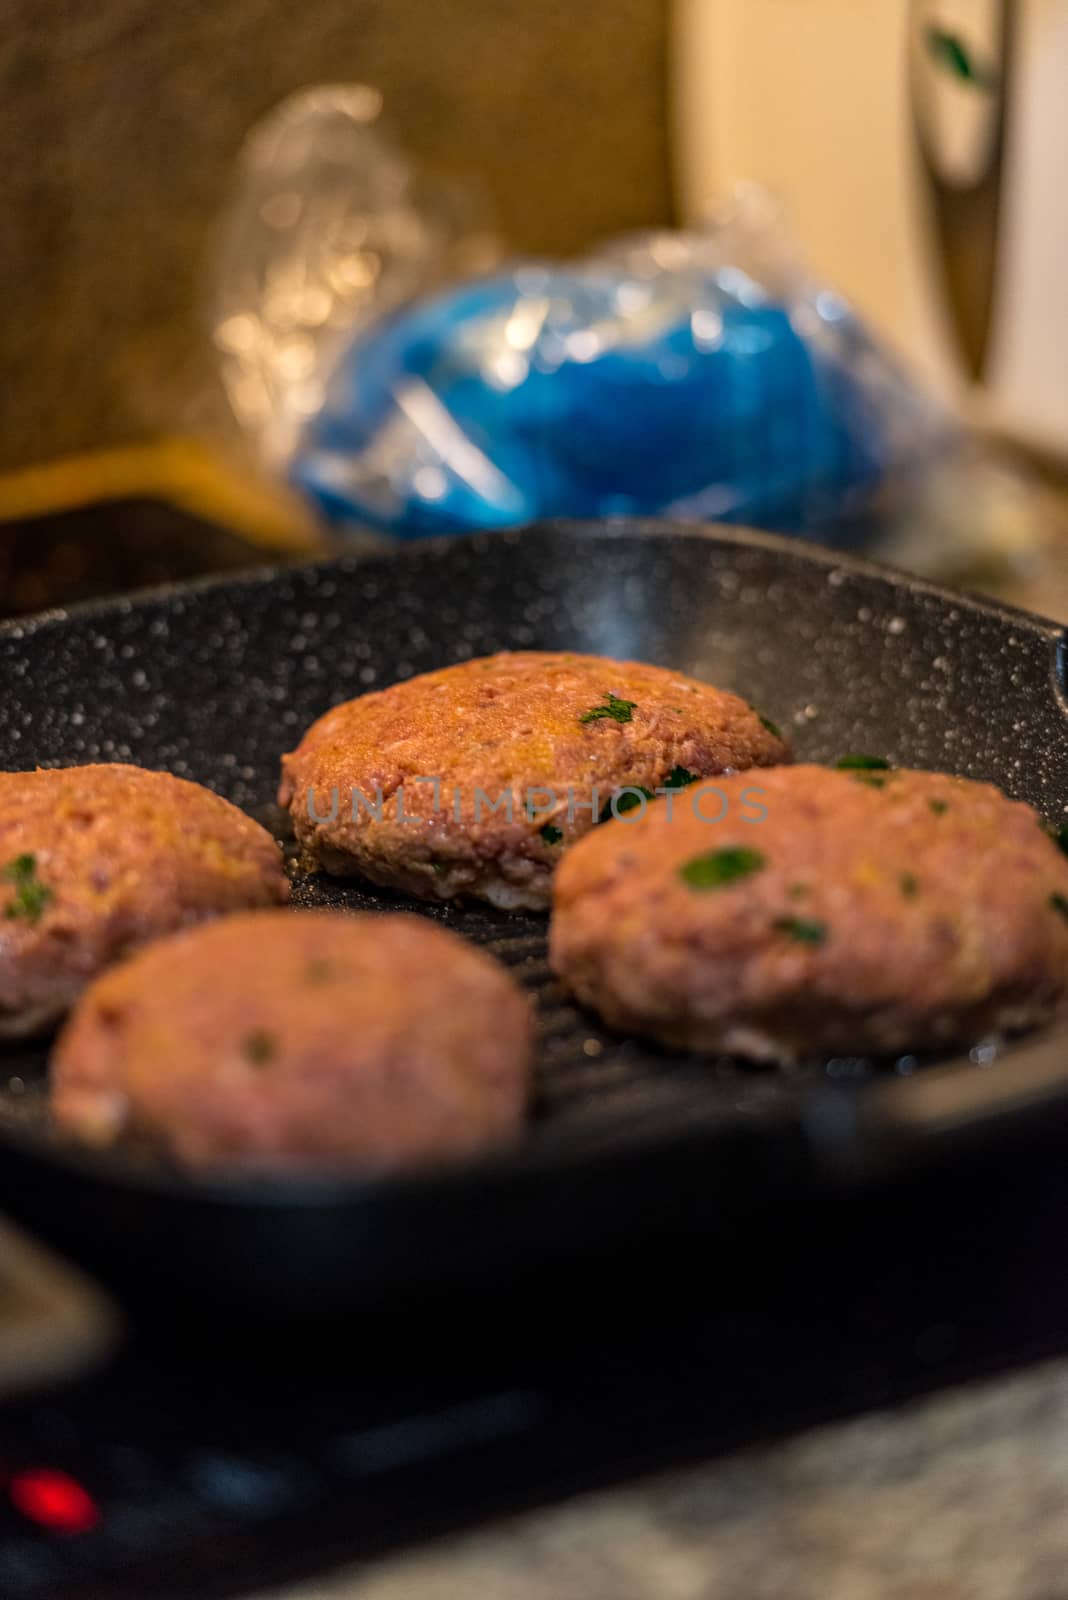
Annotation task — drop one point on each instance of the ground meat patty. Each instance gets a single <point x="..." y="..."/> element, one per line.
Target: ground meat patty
<point x="515" y="746"/>
<point x="96" y="860"/>
<point x="865" y="911"/>
<point x="299" y="1037"/>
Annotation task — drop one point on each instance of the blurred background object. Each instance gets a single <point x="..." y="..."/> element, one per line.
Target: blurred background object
<point x="704" y="374"/>
<point x="889" y="131"/>
<point x="330" y="228"/>
<point x="123" y="124"/>
<point x="377" y="363"/>
<point x="919" y="147"/>
<point x="136" y="516"/>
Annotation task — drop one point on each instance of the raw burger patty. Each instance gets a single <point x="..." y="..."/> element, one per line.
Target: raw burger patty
<point x="97" y="860"/>
<point x="505" y="730"/>
<point x="868" y="911"/>
<point x="299" y="1037"/>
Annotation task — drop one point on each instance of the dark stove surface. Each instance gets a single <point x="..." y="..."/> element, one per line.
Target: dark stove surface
<point x="195" y="1469"/>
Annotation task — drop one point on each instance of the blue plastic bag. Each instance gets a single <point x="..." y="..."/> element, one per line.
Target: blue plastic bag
<point x="699" y="375"/>
<point x="587" y="393"/>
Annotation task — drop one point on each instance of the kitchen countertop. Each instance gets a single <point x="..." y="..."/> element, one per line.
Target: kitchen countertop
<point x="960" y="1497"/>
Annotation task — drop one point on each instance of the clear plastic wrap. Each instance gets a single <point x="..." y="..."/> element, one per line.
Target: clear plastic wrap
<point x="329" y="229"/>
<point x="700" y="374"/>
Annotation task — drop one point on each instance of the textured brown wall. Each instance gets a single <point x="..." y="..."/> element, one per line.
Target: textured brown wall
<point x="119" y="120"/>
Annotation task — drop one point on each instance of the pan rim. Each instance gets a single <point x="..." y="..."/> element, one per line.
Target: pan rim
<point x="260" y="574"/>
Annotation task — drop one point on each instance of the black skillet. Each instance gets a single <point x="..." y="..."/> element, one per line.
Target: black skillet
<point x="632" y="1152"/>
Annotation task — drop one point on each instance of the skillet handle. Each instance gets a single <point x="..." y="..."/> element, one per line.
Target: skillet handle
<point x="941" y="1111"/>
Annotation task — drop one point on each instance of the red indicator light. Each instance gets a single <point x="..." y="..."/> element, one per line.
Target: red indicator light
<point x="53" y="1500"/>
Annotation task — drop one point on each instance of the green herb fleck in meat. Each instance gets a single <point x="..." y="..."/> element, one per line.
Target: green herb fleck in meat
<point x="857" y="763"/>
<point x="798" y="891"/>
<point x="718" y="868"/>
<point x="874" y="780"/>
<point x="803" y="931"/>
<point x="910" y="885"/>
<point x="766" y="723"/>
<point x="1060" y="904"/>
<point x="939" y="807"/>
<point x="625" y="800"/>
<point x="551" y="834"/>
<point x="615" y="708"/>
<point x="680" y="778"/>
<point x="259" y="1047"/>
<point x="31" y="895"/>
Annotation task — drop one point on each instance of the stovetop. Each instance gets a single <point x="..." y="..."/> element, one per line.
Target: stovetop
<point x="208" y="1460"/>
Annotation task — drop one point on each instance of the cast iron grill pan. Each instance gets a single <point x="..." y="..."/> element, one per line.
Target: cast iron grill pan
<point x="629" y="1147"/>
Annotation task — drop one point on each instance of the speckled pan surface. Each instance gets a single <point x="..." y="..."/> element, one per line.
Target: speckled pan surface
<point x="214" y="682"/>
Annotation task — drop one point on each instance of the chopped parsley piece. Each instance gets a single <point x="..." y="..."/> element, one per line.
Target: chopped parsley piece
<point x="260" y="1047"/>
<point x="804" y="932"/>
<point x="625" y="800"/>
<point x="31" y="895"/>
<point x="1059" y="903"/>
<point x="798" y="891"/>
<point x="680" y="778"/>
<point x="551" y="834"/>
<point x="862" y="764"/>
<point x="718" y="868"/>
<point x="619" y="710"/>
<point x="910" y="885"/>
<point x="766" y="723"/>
<point x="874" y="780"/>
<point x="632" y="796"/>
<point x="939" y="807"/>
